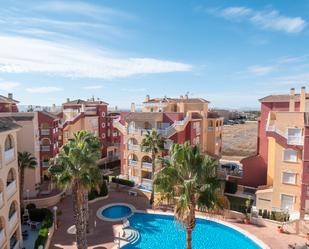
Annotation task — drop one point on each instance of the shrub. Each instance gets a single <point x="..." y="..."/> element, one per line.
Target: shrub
<point x="47" y="222"/>
<point x="94" y="193"/>
<point x="264" y="215"/>
<point x="230" y="187"/>
<point x="123" y="182"/>
<point x="31" y="206"/>
<point x="106" y="178"/>
<point x="40" y="241"/>
<point x="260" y="212"/>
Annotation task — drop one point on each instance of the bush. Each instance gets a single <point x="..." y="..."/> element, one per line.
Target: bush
<point x="230" y="187"/>
<point x="106" y="178"/>
<point x="30" y="206"/>
<point x="123" y="182"/>
<point x="47" y="222"/>
<point x="38" y="214"/>
<point x="103" y="191"/>
<point x="264" y="215"/>
<point x="40" y="241"/>
<point x="279" y="216"/>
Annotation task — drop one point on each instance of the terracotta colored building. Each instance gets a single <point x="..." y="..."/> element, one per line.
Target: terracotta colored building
<point x="8" y="104"/>
<point x="10" y="225"/>
<point x="283" y="144"/>
<point x="177" y="120"/>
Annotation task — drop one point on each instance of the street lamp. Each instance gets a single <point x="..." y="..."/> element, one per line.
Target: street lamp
<point x="55" y="216"/>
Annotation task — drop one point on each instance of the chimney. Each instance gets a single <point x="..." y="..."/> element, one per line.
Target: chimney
<point x="186" y="96"/>
<point x="92" y="99"/>
<point x="181" y="97"/>
<point x="53" y="108"/>
<point x="132" y="107"/>
<point x="116" y="108"/>
<point x="302" y="99"/>
<point x="68" y="100"/>
<point x="82" y="108"/>
<point x="10" y="96"/>
<point x="147" y="98"/>
<point x="292" y="100"/>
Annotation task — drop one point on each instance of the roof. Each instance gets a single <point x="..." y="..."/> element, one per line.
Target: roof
<point x="18" y="116"/>
<point x="7" y="124"/>
<point x="144" y="116"/>
<point x="281" y="98"/>
<point x="51" y="115"/>
<point x="186" y="100"/>
<point x="85" y="102"/>
<point x="7" y="100"/>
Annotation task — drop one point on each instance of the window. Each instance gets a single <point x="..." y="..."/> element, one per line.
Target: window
<point x="103" y="125"/>
<point x="289" y="178"/>
<point x="108" y="132"/>
<point x="290" y="155"/>
<point x="103" y="114"/>
<point x="287" y="202"/>
<point x="8" y="143"/>
<point x="103" y="135"/>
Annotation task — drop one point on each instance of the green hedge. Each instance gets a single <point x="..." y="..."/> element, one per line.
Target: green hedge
<point x="47" y="222"/>
<point x="93" y="194"/>
<point x="123" y="182"/>
<point x="274" y="215"/>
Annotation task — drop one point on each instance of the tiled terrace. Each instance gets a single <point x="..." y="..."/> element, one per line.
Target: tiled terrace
<point x="102" y="237"/>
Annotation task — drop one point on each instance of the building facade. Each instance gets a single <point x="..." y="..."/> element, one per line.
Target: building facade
<point x="284" y="144"/>
<point x="8" y="104"/>
<point x="177" y="120"/>
<point x="10" y="225"/>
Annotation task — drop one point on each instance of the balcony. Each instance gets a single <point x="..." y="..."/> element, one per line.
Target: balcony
<point x="91" y="110"/>
<point x="133" y="178"/>
<point x="295" y="140"/>
<point x="147" y="165"/>
<point x="2" y="237"/>
<point x="12" y="222"/>
<point x="133" y="163"/>
<point x="45" y="132"/>
<point x="134" y="147"/>
<point x="1" y="200"/>
<point x="45" y="148"/>
<point x="11" y="189"/>
<point x="147" y="183"/>
<point x="9" y="155"/>
<point x="45" y="164"/>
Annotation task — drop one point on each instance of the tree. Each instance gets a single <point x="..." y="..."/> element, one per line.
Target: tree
<point x="25" y="161"/>
<point x="189" y="179"/>
<point x="154" y="144"/>
<point x="75" y="168"/>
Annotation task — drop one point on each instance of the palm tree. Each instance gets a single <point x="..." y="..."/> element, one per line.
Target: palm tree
<point x="154" y="144"/>
<point x="189" y="179"/>
<point x="25" y="161"/>
<point x="75" y="168"/>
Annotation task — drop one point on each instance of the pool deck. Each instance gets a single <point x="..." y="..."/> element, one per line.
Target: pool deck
<point x="102" y="236"/>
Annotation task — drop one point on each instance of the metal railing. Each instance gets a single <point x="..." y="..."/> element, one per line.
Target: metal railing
<point x="45" y="147"/>
<point x="147" y="165"/>
<point x="133" y="163"/>
<point x="45" y="132"/>
<point x="9" y="155"/>
<point x="11" y="188"/>
<point x="291" y="139"/>
<point x="134" y="147"/>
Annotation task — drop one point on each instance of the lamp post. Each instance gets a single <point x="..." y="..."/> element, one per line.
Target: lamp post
<point x="55" y="216"/>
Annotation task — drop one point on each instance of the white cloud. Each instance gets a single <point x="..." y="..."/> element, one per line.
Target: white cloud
<point x="29" y="55"/>
<point x="8" y="86"/>
<point x="92" y="87"/>
<point x="43" y="89"/>
<point x="268" y="19"/>
<point x="261" y="70"/>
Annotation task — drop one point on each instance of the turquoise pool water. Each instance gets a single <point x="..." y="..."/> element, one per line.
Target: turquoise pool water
<point x="117" y="212"/>
<point x="160" y="231"/>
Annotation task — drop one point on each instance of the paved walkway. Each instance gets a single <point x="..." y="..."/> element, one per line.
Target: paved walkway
<point x="102" y="236"/>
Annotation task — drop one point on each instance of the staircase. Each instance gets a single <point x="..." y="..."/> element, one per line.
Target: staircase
<point x="178" y="126"/>
<point x="119" y="126"/>
<point x="127" y="235"/>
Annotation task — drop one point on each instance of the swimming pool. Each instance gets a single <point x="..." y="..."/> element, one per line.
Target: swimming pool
<point x="160" y="231"/>
<point x="115" y="212"/>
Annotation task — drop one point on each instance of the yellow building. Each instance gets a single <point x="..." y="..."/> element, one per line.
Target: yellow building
<point x="177" y="120"/>
<point x="10" y="229"/>
<point x="287" y="184"/>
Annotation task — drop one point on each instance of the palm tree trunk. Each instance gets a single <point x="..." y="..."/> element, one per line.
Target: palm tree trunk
<point x="21" y="186"/>
<point x="151" y="201"/>
<point x="79" y="216"/>
<point x="189" y="239"/>
<point x="86" y="212"/>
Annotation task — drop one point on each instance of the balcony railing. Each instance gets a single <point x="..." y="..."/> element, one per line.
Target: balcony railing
<point x="134" y="147"/>
<point x="9" y="155"/>
<point x="133" y="178"/>
<point x="295" y="140"/>
<point x="147" y="165"/>
<point x="45" y="132"/>
<point x="11" y="189"/>
<point x="1" y="200"/>
<point x="147" y="183"/>
<point x="133" y="163"/>
<point x="12" y="222"/>
<point x="45" y="147"/>
<point x="2" y="237"/>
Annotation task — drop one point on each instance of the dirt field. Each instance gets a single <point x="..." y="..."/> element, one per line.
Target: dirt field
<point x="239" y="140"/>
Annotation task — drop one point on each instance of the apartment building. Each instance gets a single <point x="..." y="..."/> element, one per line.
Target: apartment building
<point x="38" y="136"/>
<point x="284" y="144"/>
<point x="90" y="115"/>
<point x="10" y="228"/>
<point x="177" y="120"/>
<point x="8" y="104"/>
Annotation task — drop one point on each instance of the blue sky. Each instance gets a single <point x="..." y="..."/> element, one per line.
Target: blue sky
<point x="229" y="52"/>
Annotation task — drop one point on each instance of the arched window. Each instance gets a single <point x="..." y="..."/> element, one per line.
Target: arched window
<point x="12" y="210"/>
<point x="45" y="142"/>
<point x="146" y="159"/>
<point x="133" y="160"/>
<point x="132" y="141"/>
<point x="11" y="177"/>
<point x="8" y="143"/>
